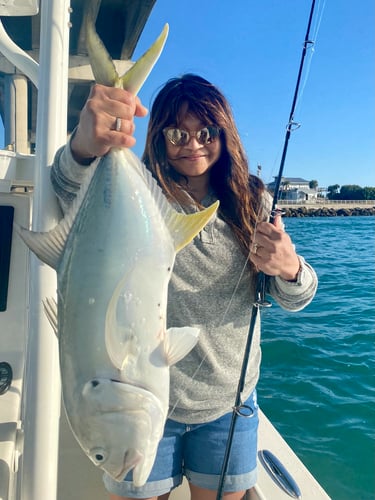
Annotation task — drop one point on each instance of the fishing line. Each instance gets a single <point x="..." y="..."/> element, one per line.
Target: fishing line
<point x="311" y="51"/>
<point x="222" y="318"/>
<point x="213" y="328"/>
<point x="291" y="122"/>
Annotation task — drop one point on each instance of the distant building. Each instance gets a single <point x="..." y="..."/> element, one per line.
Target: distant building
<point x="294" y="189"/>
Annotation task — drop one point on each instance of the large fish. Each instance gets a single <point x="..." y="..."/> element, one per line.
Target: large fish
<point x="114" y="254"/>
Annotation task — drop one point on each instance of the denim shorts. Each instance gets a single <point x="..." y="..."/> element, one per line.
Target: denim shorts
<point x="197" y="451"/>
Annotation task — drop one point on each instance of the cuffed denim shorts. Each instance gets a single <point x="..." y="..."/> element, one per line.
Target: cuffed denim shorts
<point x="197" y="451"/>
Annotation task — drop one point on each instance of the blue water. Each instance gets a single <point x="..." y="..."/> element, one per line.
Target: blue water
<point x="317" y="381"/>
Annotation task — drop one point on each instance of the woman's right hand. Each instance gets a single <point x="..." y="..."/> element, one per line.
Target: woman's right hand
<point x="96" y="131"/>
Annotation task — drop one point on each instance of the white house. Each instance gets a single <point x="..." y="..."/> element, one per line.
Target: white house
<point x="294" y="189"/>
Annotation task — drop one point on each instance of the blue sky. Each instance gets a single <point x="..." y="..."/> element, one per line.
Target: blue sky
<point x="251" y="50"/>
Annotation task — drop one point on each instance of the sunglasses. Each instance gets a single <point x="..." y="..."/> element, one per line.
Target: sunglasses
<point x="179" y="137"/>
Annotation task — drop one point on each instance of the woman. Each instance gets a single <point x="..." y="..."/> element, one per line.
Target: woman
<point x="194" y="151"/>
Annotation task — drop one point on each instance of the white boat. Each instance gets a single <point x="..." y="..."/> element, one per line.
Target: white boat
<point x="39" y="458"/>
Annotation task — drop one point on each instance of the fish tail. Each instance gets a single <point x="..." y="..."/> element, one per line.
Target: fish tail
<point x="102" y="64"/>
<point x="134" y="78"/>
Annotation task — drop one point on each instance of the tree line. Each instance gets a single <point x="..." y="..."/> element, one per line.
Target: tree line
<point x="350" y="192"/>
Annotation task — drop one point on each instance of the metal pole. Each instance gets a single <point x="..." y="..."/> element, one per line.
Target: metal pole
<point x="15" y="92"/>
<point x="41" y="410"/>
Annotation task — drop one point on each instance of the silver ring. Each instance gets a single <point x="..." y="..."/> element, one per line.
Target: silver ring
<point x="118" y="124"/>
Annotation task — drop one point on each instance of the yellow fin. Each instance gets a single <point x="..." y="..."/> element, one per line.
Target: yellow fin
<point x="184" y="227"/>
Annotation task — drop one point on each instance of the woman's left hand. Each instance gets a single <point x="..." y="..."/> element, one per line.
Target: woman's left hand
<point x="272" y="251"/>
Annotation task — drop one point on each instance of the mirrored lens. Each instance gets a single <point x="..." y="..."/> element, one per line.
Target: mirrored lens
<point x="177" y="136"/>
<point x="180" y="137"/>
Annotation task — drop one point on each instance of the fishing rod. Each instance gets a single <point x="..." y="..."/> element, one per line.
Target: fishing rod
<point x="239" y="408"/>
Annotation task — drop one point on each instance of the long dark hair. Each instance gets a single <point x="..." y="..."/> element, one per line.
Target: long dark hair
<point x="239" y="192"/>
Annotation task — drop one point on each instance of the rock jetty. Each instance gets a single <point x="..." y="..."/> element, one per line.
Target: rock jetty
<point x="327" y="211"/>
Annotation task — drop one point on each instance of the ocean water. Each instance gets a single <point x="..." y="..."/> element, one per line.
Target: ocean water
<point x="317" y="381"/>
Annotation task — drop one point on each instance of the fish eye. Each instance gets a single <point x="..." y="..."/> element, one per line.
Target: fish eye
<point x="98" y="455"/>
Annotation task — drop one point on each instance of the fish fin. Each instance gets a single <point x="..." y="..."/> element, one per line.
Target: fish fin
<point x="49" y="246"/>
<point x="182" y="227"/>
<point x="101" y="62"/>
<point x="134" y="78"/>
<point x="179" y="342"/>
<point x="50" y="309"/>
